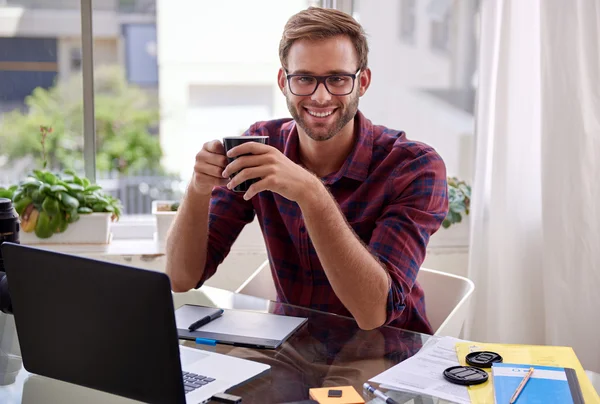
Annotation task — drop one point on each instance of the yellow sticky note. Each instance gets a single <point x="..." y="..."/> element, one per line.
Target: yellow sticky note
<point x="559" y="356"/>
<point x="349" y="395"/>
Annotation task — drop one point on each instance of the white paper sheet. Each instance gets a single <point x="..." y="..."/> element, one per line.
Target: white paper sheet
<point x="423" y="372"/>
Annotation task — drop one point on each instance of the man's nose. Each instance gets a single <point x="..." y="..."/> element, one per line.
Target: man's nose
<point x="321" y="95"/>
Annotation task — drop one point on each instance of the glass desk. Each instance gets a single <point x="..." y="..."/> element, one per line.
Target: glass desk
<point x="329" y="350"/>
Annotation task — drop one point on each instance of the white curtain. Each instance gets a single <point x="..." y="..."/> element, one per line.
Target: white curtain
<point x="535" y="224"/>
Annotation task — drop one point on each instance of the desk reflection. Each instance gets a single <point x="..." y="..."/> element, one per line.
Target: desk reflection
<point x="39" y="389"/>
<point x="327" y="351"/>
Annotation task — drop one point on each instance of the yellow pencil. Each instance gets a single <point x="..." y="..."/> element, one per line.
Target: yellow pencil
<point x="521" y="386"/>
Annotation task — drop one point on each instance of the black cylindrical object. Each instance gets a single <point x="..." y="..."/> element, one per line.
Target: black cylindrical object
<point x="9" y="231"/>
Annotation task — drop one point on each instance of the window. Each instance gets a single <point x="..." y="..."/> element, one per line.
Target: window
<point x="75" y="58"/>
<point x="162" y="72"/>
<point x="440" y="13"/>
<point x="37" y="88"/>
<point x="440" y="33"/>
<point x="413" y="89"/>
<point x="408" y="20"/>
<point x="181" y="76"/>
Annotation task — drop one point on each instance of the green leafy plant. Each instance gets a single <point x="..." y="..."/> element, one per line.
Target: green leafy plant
<point x="48" y="202"/>
<point x="459" y="201"/>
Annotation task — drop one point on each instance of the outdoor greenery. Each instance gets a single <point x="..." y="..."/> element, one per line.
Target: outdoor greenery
<point x="459" y="201"/>
<point x="125" y="117"/>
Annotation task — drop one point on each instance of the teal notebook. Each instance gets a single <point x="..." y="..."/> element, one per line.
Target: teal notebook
<point x="547" y="384"/>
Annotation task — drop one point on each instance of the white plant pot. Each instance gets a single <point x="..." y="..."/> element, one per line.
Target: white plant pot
<point x="164" y="219"/>
<point x="457" y="235"/>
<point x="93" y="228"/>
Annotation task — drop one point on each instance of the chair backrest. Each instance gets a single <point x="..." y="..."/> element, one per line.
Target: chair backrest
<point x="447" y="296"/>
<point x="259" y="283"/>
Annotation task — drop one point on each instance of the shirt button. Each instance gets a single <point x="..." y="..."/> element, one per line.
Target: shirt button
<point x="302" y="229"/>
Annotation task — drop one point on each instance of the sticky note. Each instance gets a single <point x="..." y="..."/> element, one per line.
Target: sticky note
<point x="349" y="395"/>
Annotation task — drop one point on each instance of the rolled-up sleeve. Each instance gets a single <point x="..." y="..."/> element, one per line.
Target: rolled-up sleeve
<point x="227" y="216"/>
<point x="418" y="189"/>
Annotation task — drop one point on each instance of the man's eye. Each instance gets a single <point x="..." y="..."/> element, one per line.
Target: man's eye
<point x="305" y="79"/>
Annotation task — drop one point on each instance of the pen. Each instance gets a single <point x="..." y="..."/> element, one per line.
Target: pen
<point x="205" y="320"/>
<point x="521" y="386"/>
<point x="379" y="394"/>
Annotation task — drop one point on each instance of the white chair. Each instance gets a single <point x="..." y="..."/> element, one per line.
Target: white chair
<point x="447" y="296"/>
<point x="259" y="283"/>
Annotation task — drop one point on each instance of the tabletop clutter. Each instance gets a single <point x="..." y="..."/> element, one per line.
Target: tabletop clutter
<point x="452" y="369"/>
<point x="485" y="373"/>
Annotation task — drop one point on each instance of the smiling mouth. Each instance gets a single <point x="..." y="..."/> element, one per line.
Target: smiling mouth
<point x="320" y="114"/>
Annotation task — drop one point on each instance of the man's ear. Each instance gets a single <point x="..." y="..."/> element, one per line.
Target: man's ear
<point x="281" y="80"/>
<point x="364" y="81"/>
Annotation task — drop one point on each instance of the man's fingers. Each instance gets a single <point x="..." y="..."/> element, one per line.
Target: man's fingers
<point x="205" y="168"/>
<point x="214" y="146"/>
<point x="249" y="148"/>
<point x="255" y="188"/>
<point x="244" y="162"/>
<point x="215" y="159"/>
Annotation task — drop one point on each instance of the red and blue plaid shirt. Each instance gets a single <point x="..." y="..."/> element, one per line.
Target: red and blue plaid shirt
<point x="393" y="192"/>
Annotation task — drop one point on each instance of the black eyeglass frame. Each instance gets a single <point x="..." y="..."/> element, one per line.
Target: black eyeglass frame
<point x="322" y="79"/>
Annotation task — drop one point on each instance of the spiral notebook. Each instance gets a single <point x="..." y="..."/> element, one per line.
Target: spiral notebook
<point x="547" y="384"/>
<point x="238" y="327"/>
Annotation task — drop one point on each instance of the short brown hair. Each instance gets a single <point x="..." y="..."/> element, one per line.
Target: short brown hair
<point x="316" y="23"/>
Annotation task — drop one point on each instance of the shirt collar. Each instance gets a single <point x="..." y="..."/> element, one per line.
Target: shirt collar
<point x="357" y="163"/>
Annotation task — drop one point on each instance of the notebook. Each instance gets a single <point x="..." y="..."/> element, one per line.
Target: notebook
<point x="238" y="327"/>
<point x="548" y="384"/>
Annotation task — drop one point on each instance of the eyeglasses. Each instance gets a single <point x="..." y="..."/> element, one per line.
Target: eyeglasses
<point x="336" y="84"/>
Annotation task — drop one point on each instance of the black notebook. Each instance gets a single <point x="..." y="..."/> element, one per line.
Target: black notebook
<point x="238" y="327"/>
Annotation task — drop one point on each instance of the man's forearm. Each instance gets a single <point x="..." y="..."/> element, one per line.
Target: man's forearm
<point x="187" y="242"/>
<point x="357" y="278"/>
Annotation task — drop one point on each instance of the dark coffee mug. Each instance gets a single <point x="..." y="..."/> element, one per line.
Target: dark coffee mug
<point x="229" y="143"/>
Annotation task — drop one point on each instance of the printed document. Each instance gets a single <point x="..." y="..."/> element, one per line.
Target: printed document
<point x="423" y="372"/>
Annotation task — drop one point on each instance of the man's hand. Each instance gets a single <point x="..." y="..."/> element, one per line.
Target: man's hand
<point x="277" y="173"/>
<point x="208" y="170"/>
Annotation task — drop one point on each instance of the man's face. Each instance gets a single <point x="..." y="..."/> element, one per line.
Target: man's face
<point x="323" y="115"/>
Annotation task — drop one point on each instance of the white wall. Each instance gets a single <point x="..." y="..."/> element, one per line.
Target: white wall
<point x="205" y="44"/>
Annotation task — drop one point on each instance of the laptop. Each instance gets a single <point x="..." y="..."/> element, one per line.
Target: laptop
<point x="110" y="327"/>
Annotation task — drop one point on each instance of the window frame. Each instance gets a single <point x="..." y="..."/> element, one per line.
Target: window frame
<point x="408" y="12"/>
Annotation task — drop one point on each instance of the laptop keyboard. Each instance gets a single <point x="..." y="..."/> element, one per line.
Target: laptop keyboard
<point x="192" y="381"/>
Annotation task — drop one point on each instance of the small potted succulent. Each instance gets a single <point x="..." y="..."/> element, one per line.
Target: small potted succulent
<point x="164" y="212"/>
<point x="62" y="207"/>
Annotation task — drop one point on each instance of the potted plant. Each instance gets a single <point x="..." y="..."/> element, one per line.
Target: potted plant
<point x="454" y="231"/>
<point x="62" y="207"/>
<point x="164" y="212"/>
<point x="459" y="201"/>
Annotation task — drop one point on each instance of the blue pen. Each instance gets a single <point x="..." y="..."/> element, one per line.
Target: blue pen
<point x="206" y="341"/>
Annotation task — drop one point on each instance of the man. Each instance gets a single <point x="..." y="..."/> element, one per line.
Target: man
<point x="346" y="207"/>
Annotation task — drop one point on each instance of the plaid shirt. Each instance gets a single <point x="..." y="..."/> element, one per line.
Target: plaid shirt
<point x="393" y="193"/>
